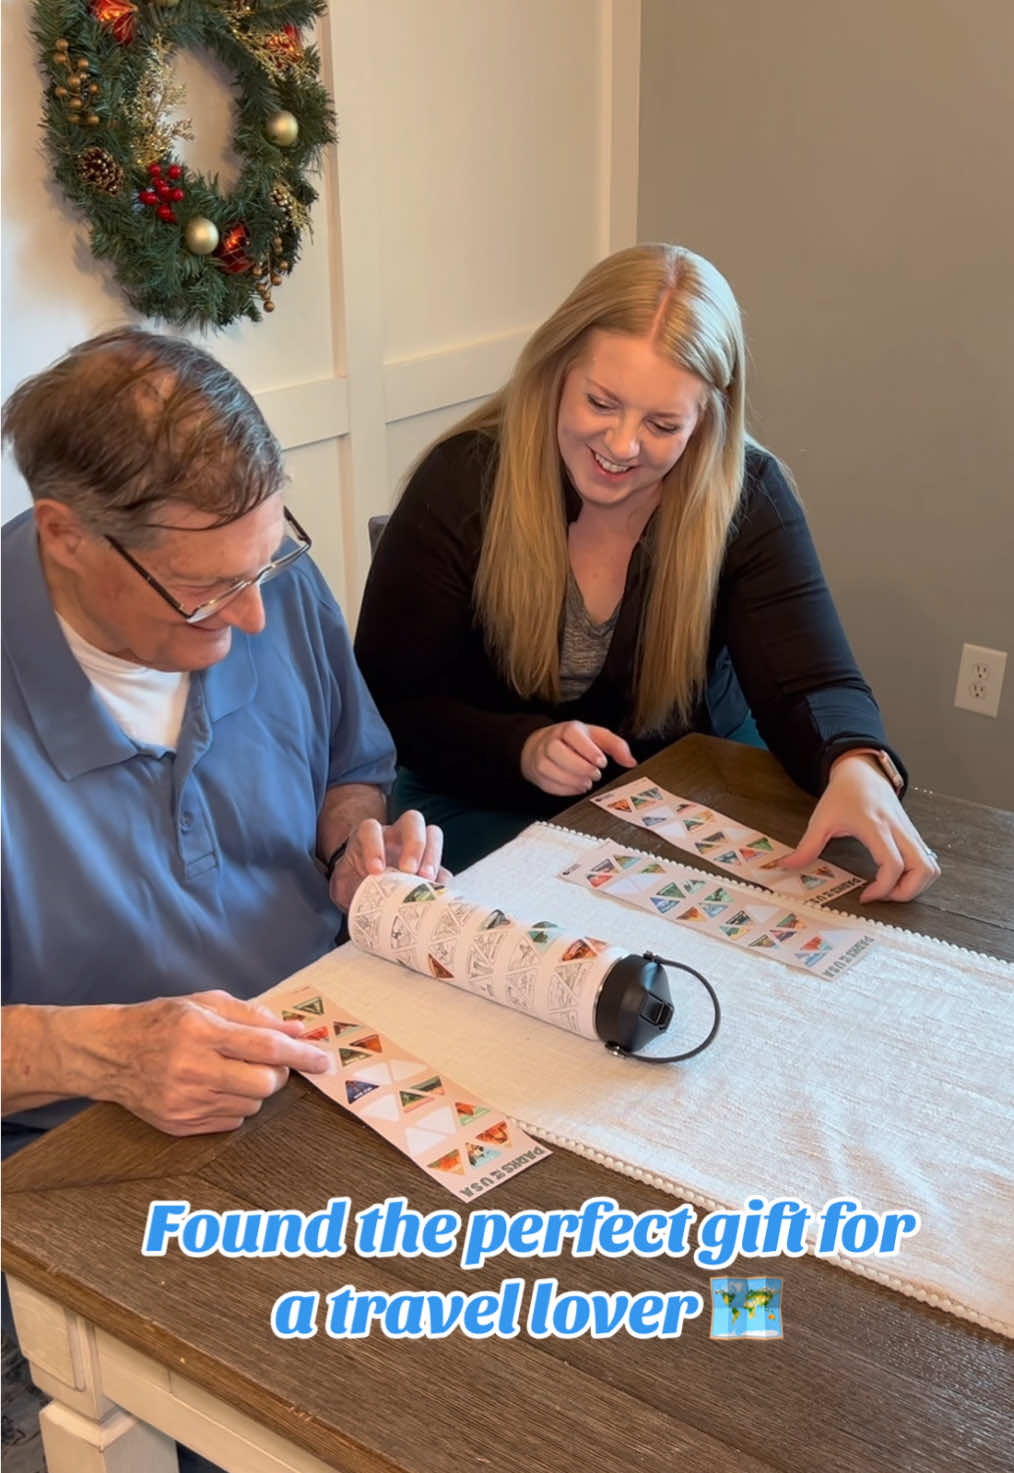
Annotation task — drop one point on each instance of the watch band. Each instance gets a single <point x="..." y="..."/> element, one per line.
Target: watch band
<point x="885" y="762"/>
<point x="335" y="858"/>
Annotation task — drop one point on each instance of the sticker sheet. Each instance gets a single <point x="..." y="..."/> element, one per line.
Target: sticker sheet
<point x="534" y="967"/>
<point x="466" y="1145"/>
<point x="703" y="833"/>
<point x="763" y="924"/>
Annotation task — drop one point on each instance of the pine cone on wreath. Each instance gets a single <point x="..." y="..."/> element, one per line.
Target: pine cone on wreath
<point x="98" y="168"/>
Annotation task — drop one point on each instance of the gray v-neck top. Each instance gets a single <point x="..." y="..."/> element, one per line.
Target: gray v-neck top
<point x="585" y="644"/>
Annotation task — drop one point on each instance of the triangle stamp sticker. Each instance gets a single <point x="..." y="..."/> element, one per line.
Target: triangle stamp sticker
<point x="451" y="1162"/>
<point x="496" y="1135"/>
<point x="355" y="1089"/>
<point x="479" y="1155"/>
<point x="424" y="891"/>
<point x="350" y="1055"/>
<point x="577" y="951"/>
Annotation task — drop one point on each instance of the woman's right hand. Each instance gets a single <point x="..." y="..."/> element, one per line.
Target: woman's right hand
<point x="567" y="759"/>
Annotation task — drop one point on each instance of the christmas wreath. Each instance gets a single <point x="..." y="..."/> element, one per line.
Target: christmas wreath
<point x="181" y="249"/>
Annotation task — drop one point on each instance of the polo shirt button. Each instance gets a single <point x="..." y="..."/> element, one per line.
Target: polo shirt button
<point x="186" y="821"/>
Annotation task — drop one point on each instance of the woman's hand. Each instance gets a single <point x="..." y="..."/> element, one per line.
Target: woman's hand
<point x="860" y="803"/>
<point x="568" y="758"/>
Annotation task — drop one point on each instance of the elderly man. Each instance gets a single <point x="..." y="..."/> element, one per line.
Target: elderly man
<point x="194" y="769"/>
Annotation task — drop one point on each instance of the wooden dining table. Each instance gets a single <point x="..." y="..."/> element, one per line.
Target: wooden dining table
<point x="137" y="1351"/>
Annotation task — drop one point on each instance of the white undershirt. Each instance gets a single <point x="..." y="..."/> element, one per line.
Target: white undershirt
<point x="147" y="704"/>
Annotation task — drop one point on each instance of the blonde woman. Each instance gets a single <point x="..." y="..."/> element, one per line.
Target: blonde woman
<point x="599" y="560"/>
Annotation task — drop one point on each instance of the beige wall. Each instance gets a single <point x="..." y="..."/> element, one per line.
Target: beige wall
<point x="849" y="169"/>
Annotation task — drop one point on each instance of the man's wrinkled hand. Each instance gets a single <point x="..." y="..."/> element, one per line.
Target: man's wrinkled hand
<point x="203" y="1063"/>
<point x="410" y="845"/>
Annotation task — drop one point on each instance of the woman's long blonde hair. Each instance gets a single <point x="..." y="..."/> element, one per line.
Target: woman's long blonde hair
<point x="687" y="308"/>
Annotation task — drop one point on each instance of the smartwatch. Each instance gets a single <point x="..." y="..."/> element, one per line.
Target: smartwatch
<point x="884" y="761"/>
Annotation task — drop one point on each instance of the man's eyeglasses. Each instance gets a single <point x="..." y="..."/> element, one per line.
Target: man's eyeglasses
<point x="294" y="547"/>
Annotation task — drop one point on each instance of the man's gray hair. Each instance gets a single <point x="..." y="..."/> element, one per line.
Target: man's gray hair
<point x="131" y="421"/>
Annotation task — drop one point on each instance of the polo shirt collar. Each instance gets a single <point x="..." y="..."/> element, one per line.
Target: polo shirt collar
<point x="77" y="732"/>
<point x="232" y="683"/>
<point x="73" y="724"/>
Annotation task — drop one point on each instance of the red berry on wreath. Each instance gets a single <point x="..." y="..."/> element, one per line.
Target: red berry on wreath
<point x="177" y="195"/>
<point x="148" y="197"/>
<point x="154" y="170"/>
<point x="165" y="213"/>
<point x="174" y="171"/>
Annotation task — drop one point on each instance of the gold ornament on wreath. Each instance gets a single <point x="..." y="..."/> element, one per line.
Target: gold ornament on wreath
<point x="281" y="129"/>
<point x="200" y="235"/>
<point x="270" y="272"/>
<point x="77" y="90"/>
<point x="115" y="117"/>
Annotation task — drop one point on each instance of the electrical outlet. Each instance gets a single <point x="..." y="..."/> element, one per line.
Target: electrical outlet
<point x="980" y="679"/>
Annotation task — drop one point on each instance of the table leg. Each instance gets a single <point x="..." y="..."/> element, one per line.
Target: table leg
<point x="83" y="1431"/>
<point x="118" y="1444"/>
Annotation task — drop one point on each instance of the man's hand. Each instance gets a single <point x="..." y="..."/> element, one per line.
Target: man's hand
<point x="860" y="803"/>
<point x="198" y="1064"/>
<point x="410" y="845"/>
<point x="568" y="758"/>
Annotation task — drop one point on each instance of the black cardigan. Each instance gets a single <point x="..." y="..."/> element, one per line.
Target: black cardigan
<point x="458" y="725"/>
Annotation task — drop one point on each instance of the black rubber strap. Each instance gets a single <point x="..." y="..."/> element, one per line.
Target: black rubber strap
<point x="334" y="858"/>
<point x="615" y="1048"/>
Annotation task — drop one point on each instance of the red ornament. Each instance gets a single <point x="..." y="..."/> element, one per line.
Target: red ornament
<point x="117" y="17"/>
<point x="285" y="47"/>
<point x="174" y="171"/>
<point x="231" y="250"/>
<point x="165" y="212"/>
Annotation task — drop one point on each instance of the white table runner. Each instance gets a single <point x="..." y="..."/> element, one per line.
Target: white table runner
<point x="890" y="1085"/>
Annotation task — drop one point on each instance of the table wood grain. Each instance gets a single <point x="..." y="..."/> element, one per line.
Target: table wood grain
<point x="863" y="1380"/>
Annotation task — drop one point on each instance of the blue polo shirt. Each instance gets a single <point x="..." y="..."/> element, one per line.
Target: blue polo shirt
<point x="131" y="872"/>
